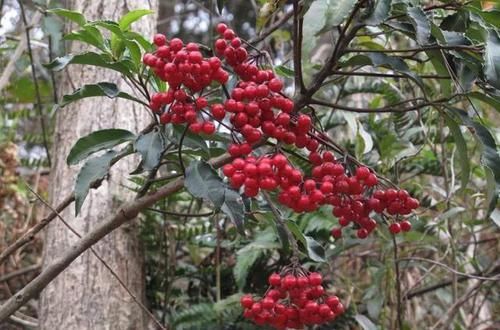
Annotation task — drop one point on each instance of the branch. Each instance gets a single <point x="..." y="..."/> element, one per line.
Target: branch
<point x="442" y="284"/>
<point x="416" y="49"/>
<point x="35" y="83"/>
<point x="391" y="108"/>
<point x="127" y="212"/>
<point x="297" y="48"/>
<point x="265" y="33"/>
<point x="19" y="272"/>
<point x="384" y="75"/>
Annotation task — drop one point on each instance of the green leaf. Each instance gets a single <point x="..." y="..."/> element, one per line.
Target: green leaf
<point x="234" y="208"/>
<point x="461" y="149"/>
<point x="90" y="35"/>
<point x="383" y="60"/>
<point x="421" y="24"/>
<point x="93" y="170"/>
<point x="73" y="16"/>
<point x="94" y="59"/>
<point x="93" y="90"/>
<point x="203" y="182"/>
<point x="131" y="17"/>
<point x="315" y="251"/>
<point x="489" y="155"/>
<point x="492" y="59"/>
<point x="245" y="259"/>
<point x="97" y="141"/>
<point x="380" y="12"/>
<point x="284" y="71"/>
<point x="151" y="147"/>
<point x="365" y="322"/>
<point x="493" y="101"/>
<point x="134" y="51"/>
<point x="220" y="5"/>
<point x="299" y="236"/>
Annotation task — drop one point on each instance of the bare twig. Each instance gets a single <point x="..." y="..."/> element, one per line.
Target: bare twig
<point x="19" y="272"/>
<point x="297" y="47"/>
<point x="268" y="31"/>
<point x="35" y="83"/>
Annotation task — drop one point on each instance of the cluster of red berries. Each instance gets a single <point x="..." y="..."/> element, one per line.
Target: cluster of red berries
<point x="187" y="73"/>
<point x="257" y="109"/>
<point x="256" y="104"/>
<point x="296" y="298"/>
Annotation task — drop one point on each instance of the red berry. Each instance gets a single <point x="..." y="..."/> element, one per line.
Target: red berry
<point x="362" y="233"/>
<point x="336" y="233"/>
<point x="221" y="27"/>
<point x="247" y="301"/>
<point x="362" y="173"/>
<point x="394" y="228"/>
<point x="405" y="225"/>
<point x="332" y="301"/>
<point x="159" y="40"/>
<point x="315" y="279"/>
<point x="275" y="85"/>
<point x="267" y="303"/>
<point x="208" y="128"/>
<point x="275" y="280"/>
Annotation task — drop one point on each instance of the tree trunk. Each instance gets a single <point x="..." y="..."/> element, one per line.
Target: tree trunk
<point x="86" y="296"/>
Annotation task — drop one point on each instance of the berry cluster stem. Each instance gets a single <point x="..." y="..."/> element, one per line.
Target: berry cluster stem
<point x="279" y="219"/>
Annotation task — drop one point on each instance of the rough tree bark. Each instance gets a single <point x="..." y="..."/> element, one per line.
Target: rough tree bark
<point x="86" y="296"/>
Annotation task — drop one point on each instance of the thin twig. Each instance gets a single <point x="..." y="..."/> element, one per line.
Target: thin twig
<point x="19" y="272"/>
<point x="35" y="83"/>
<point x="297" y="47"/>
<point x="399" y="311"/>
<point x="281" y="222"/>
<point x="177" y="214"/>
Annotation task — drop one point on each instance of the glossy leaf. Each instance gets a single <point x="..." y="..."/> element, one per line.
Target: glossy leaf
<point x="94" y="90"/>
<point x="132" y="16"/>
<point x="94" y="59"/>
<point x="203" y="182"/>
<point x="492" y="59"/>
<point x="380" y="13"/>
<point x="315" y="251"/>
<point x="461" y="149"/>
<point x="73" y="16"/>
<point x="234" y="208"/>
<point x="97" y="141"/>
<point x="93" y="170"/>
<point x="421" y="24"/>
<point x="150" y="146"/>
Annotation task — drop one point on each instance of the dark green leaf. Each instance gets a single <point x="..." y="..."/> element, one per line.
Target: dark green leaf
<point x="91" y="58"/>
<point x="100" y="89"/>
<point x="489" y="156"/>
<point x="421" y="24"/>
<point x="461" y="148"/>
<point x="492" y="59"/>
<point x="245" y="259"/>
<point x="383" y="60"/>
<point x="493" y="101"/>
<point x="73" y="16"/>
<point x="203" y="182"/>
<point x="93" y="170"/>
<point x="234" y="208"/>
<point x="220" y="5"/>
<point x="299" y="236"/>
<point x="132" y="16"/>
<point x="97" y="141"/>
<point x="380" y="12"/>
<point x="315" y="251"/>
<point x="151" y="146"/>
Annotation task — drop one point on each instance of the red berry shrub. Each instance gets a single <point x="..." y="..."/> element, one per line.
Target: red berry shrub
<point x="294" y="299"/>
